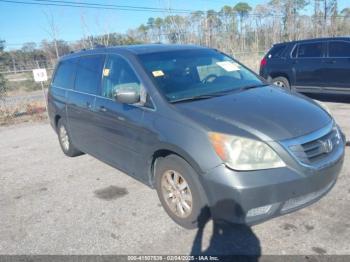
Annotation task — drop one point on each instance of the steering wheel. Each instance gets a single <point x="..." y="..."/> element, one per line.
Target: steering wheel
<point x="209" y="78"/>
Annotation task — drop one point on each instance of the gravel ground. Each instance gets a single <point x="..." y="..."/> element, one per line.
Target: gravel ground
<point x="52" y="204"/>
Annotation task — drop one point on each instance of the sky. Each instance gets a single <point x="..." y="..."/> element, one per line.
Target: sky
<point x="20" y="23"/>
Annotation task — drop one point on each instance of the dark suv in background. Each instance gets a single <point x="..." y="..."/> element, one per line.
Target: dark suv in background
<point x="315" y="65"/>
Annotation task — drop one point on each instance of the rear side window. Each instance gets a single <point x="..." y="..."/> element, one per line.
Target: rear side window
<point x="310" y="50"/>
<point x="64" y="76"/>
<point x="277" y="51"/>
<point x="339" y="49"/>
<point x="89" y="74"/>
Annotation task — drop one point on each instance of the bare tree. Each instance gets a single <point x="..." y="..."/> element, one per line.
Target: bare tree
<point x="87" y="39"/>
<point x="104" y="27"/>
<point x="52" y="30"/>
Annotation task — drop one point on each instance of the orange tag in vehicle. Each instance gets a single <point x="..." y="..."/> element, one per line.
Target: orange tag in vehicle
<point x="158" y="73"/>
<point x="106" y="72"/>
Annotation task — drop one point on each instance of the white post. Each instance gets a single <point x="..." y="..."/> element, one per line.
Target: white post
<point x="45" y="97"/>
<point x="41" y="77"/>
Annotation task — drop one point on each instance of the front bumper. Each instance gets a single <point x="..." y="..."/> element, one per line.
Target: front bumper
<point x="255" y="196"/>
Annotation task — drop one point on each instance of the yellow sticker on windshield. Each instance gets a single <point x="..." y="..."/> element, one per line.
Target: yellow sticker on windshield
<point x="228" y="66"/>
<point x="106" y="72"/>
<point x="158" y="73"/>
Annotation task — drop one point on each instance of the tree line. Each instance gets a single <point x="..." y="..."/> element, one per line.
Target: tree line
<point x="241" y="28"/>
<point x="232" y="29"/>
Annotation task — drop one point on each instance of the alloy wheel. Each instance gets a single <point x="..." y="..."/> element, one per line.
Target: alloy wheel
<point x="280" y="84"/>
<point x="63" y="134"/>
<point x="177" y="193"/>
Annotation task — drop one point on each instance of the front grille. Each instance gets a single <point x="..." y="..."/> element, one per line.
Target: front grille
<point x="302" y="200"/>
<point x="313" y="151"/>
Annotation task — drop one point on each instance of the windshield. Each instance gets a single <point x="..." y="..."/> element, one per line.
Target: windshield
<point x="187" y="74"/>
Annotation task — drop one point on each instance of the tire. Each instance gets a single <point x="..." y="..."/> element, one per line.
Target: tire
<point x="281" y="82"/>
<point x="65" y="140"/>
<point x="193" y="211"/>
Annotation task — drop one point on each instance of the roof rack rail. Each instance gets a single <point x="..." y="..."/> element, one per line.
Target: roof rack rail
<point x="76" y="51"/>
<point x="99" y="46"/>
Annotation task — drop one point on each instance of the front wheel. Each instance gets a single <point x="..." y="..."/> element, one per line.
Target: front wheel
<point x="180" y="192"/>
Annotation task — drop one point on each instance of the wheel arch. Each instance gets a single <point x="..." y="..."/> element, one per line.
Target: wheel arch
<point x="279" y="74"/>
<point x="56" y="119"/>
<point x="166" y="150"/>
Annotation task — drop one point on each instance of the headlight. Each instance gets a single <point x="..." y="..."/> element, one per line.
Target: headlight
<point x="324" y="106"/>
<point x="244" y="154"/>
<point x="338" y="134"/>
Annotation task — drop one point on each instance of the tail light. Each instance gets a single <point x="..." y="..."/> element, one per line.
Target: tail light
<point x="263" y="62"/>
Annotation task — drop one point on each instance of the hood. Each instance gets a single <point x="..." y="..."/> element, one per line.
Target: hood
<point x="267" y="112"/>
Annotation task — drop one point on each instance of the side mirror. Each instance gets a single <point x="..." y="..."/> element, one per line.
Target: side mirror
<point x="127" y="95"/>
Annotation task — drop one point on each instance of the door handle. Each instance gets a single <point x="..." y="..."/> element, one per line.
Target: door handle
<point x="103" y="109"/>
<point x="88" y="105"/>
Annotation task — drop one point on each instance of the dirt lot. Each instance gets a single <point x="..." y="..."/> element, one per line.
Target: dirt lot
<point x="51" y="204"/>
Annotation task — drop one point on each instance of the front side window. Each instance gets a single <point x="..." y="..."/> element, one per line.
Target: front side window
<point x="181" y="75"/>
<point x="64" y="76"/>
<point x="89" y="73"/>
<point x="117" y="74"/>
<point x="310" y="50"/>
<point x="339" y="49"/>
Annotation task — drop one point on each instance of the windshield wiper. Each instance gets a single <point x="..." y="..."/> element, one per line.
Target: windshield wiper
<point x="252" y="86"/>
<point x="226" y="92"/>
<point x="216" y="94"/>
<point x="193" y="98"/>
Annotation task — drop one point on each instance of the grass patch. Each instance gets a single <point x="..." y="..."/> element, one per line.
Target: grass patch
<point x="25" y="85"/>
<point x="22" y="112"/>
<point x="23" y="82"/>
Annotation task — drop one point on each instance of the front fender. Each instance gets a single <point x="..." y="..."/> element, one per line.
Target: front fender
<point x="188" y="141"/>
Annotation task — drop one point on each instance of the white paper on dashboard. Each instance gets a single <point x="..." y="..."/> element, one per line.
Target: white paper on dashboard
<point x="228" y="66"/>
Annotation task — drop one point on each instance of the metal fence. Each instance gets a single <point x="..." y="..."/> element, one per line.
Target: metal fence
<point x="17" y="68"/>
<point x="26" y="66"/>
<point x="21" y="102"/>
